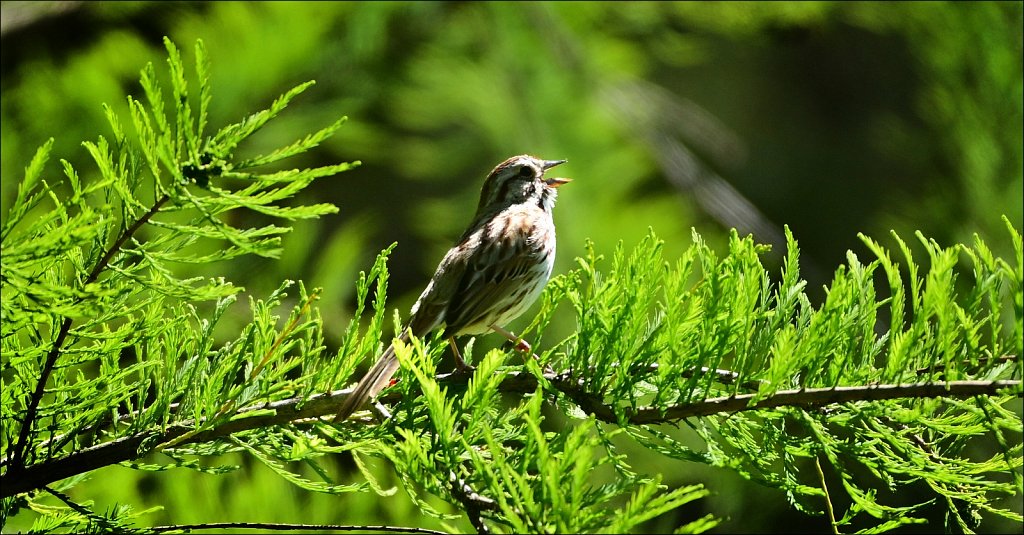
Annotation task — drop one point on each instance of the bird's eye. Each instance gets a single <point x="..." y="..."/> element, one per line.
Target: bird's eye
<point x="526" y="171"/>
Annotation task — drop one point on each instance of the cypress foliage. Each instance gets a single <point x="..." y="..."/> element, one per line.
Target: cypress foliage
<point x="909" y="368"/>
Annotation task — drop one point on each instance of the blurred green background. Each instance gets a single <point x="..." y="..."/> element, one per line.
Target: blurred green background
<point x="833" y="118"/>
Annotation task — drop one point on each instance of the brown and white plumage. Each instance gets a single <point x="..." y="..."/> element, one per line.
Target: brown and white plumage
<point x="495" y="271"/>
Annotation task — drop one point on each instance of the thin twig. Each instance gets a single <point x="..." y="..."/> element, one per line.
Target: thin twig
<point x="285" y="333"/>
<point x="229" y="405"/>
<point x="104" y="523"/>
<point x="20" y="450"/>
<point x="828" y="499"/>
<point x="473" y="502"/>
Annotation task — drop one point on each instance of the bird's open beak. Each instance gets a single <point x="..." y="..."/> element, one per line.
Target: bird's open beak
<point x="554" y="182"/>
<point x="548" y="164"/>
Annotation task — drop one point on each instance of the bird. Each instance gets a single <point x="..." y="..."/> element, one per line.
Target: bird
<point x="493" y="273"/>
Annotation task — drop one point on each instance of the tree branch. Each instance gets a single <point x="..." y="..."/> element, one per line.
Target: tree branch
<point x="809" y="398"/>
<point x="473" y="502"/>
<point x="20" y="450"/>
<point x="296" y="411"/>
<point x="291" y="527"/>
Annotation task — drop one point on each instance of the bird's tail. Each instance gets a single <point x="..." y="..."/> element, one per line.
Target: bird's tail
<point x="378" y="377"/>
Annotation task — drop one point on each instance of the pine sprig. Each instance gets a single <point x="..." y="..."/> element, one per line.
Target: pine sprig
<point x="793" y="383"/>
<point x="109" y="355"/>
<point x="96" y="324"/>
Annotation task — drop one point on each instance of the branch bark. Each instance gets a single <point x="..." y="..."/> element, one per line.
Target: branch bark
<point x="809" y="398"/>
<point x="268" y="526"/>
<point x="298" y="411"/>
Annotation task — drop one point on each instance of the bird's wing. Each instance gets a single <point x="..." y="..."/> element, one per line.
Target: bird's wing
<point x="473" y="278"/>
<point x="492" y="275"/>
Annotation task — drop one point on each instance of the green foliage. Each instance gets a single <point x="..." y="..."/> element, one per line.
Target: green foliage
<point x="905" y="122"/>
<point x="908" y="374"/>
<point x="505" y="467"/>
<point x="839" y="415"/>
<point x="100" y="339"/>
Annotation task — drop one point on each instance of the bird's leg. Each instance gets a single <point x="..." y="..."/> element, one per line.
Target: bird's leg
<point x="520" y="344"/>
<point x="460" y="364"/>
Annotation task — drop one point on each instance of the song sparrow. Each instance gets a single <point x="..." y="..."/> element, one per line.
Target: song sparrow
<point x="494" y="272"/>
